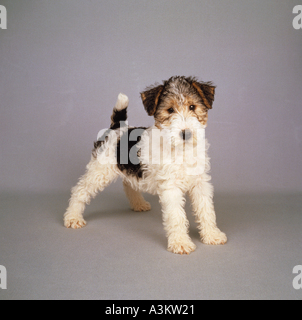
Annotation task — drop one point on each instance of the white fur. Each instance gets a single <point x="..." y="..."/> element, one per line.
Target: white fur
<point x="170" y="181"/>
<point x="122" y="102"/>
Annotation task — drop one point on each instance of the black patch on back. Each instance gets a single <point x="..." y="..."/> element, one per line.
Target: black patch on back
<point x="127" y="151"/>
<point x="97" y="144"/>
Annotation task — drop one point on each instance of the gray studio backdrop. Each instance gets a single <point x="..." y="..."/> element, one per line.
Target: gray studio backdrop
<point x="63" y="63"/>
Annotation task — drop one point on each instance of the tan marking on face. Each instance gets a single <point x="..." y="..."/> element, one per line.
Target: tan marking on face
<point x="180" y="106"/>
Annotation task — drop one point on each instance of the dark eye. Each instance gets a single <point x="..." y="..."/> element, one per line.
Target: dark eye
<point x="170" y="110"/>
<point x="192" y="107"/>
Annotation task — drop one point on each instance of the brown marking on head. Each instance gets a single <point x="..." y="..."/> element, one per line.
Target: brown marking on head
<point x="150" y="99"/>
<point x="177" y="95"/>
<point x="187" y="106"/>
<point x="206" y="92"/>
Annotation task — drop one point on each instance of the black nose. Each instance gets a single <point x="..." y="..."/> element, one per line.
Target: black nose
<point x="186" y="134"/>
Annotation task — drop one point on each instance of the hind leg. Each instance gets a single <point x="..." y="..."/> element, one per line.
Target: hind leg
<point x="137" y="201"/>
<point x="96" y="178"/>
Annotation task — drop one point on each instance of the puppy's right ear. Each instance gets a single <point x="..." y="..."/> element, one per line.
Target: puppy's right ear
<point x="150" y="99"/>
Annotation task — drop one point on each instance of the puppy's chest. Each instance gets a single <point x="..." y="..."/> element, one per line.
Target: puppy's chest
<point x="147" y="165"/>
<point x="156" y="177"/>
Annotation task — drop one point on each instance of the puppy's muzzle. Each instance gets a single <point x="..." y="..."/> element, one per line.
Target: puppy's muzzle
<point x="186" y="134"/>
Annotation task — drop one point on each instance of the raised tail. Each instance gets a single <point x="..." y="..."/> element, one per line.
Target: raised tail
<point x="119" y="111"/>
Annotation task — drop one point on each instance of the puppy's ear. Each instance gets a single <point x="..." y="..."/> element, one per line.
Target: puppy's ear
<point x="150" y="99"/>
<point x="206" y="91"/>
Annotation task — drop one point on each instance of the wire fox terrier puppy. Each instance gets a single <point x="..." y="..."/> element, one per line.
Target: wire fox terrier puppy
<point x="168" y="159"/>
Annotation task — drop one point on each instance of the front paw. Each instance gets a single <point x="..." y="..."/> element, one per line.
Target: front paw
<point x="74" y="223"/>
<point x="214" y="237"/>
<point x="181" y="245"/>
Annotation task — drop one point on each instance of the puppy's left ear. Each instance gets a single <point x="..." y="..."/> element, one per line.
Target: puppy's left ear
<point x="206" y="91"/>
<point x="150" y="99"/>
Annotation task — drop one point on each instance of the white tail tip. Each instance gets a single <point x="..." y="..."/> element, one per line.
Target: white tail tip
<point x="122" y="102"/>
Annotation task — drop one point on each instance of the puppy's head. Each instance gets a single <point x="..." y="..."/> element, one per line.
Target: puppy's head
<point x="180" y="104"/>
<point x="185" y="97"/>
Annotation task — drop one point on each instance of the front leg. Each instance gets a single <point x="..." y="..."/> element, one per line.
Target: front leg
<point x="202" y="201"/>
<point x="175" y="221"/>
